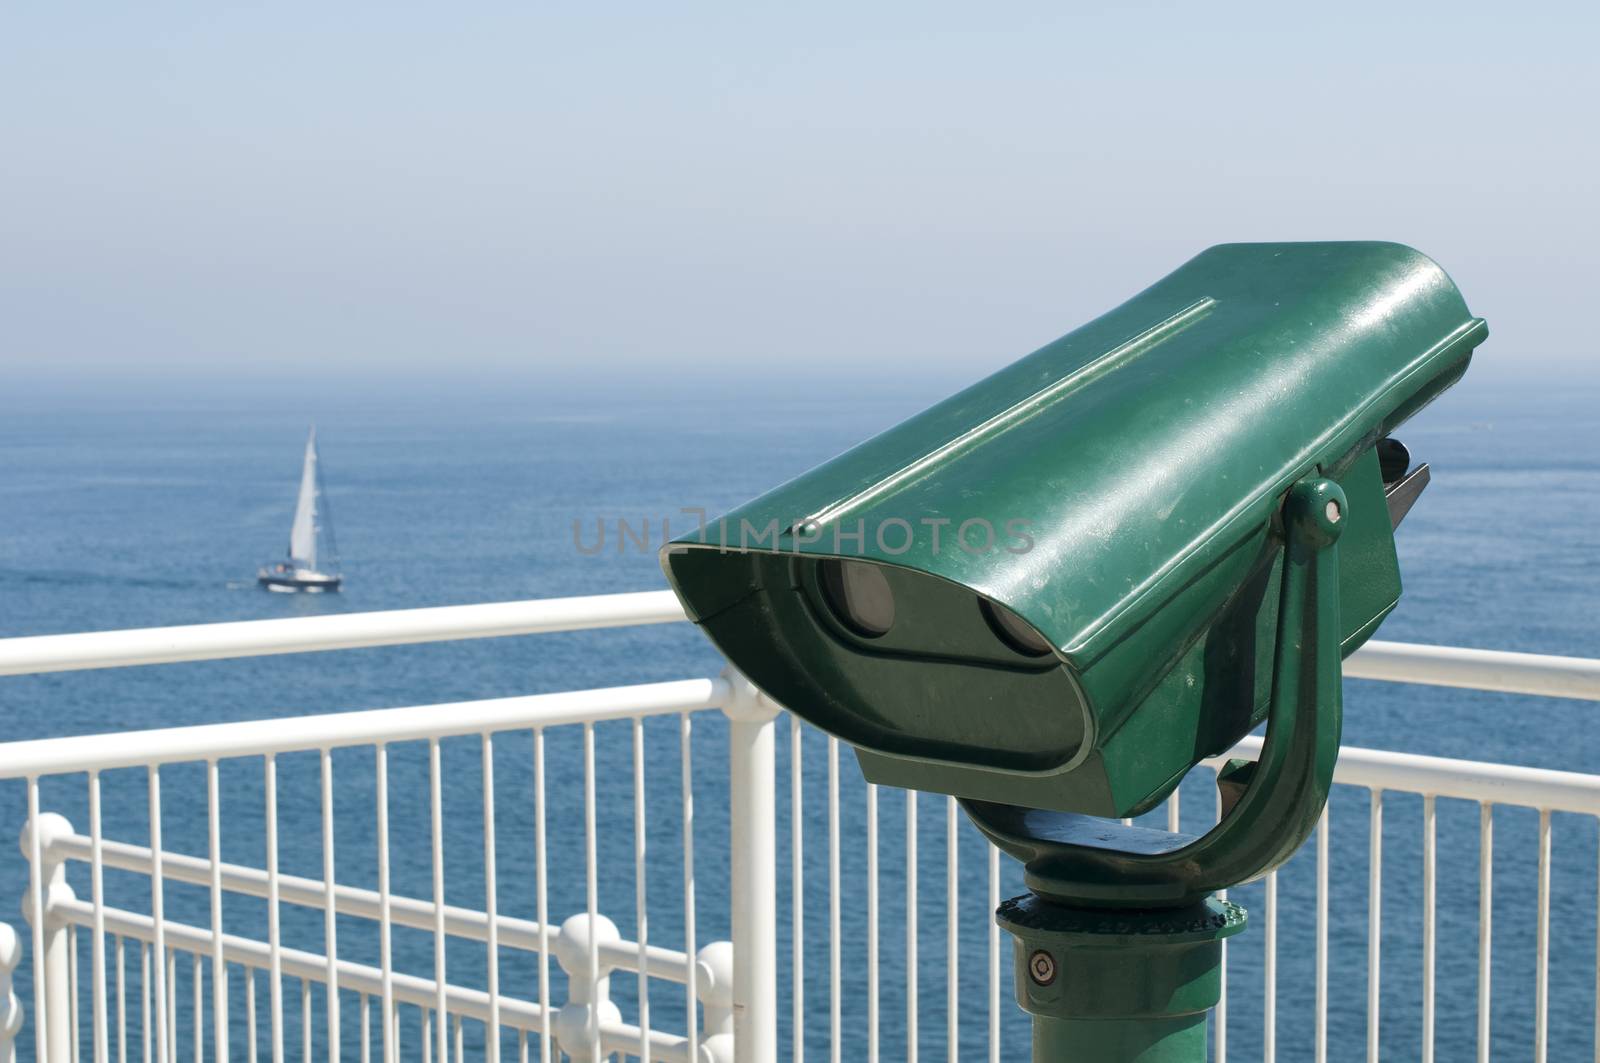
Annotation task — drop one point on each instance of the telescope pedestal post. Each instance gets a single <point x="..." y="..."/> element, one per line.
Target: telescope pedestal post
<point x="1108" y="985"/>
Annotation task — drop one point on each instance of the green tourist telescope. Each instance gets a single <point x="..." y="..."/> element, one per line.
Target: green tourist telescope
<point x="1054" y="593"/>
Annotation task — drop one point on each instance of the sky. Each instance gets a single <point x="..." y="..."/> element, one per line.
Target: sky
<point x="820" y="191"/>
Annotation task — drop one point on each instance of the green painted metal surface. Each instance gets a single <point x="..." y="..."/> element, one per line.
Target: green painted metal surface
<point x="1118" y="987"/>
<point x="1113" y="499"/>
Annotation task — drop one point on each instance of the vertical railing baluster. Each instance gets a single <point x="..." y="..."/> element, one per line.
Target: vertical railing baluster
<point x="1174" y="818"/>
<point x="219" y="969"/>
<point x="797" y="894"/>
<point x="427" y="1036"/>
<point x="305" y="1020"/>
<point x="1429" y="913"/>
<point x="872" y="923"/>
<point x="165" y="1050"/>
<point x="685" y="730"/>
<point x="197" y="967"/>
<point x="436" y="814"/>
<point x="952" y="989"/>
<point x="491" y="890"/>
<point x="366" y="1028"/>
<point x="269" y="784"/>
<point x="385" y="905"/>
<point x="72" y="992"/>
<point x="1541" y="992"/>
<point x="455" y="1029"/>
<point x="145" y="1021"/>
<point x="1374" y="922"/>
<point x="330" y="920"/>
<point x="1219" y="1014"/>
<point x="1485" y="924"/>
<point x="541" y="896"/>
<point x="97" y="892"/>
<point x="591" y="867"/>
<point x="1321" y="1024"/>
<point x="172" y="1002"/>
<point x="835" y="1031"/>
<point x="1269" y="969"/>
<point x="641" y="909"/>
<point x="994" y="955"/>
<point x="252" y="1047"/>
<point x="912" y="1035"/>
<point x="122" y="1000"/>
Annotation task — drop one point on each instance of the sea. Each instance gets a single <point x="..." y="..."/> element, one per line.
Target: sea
<point x="152" y="502"/>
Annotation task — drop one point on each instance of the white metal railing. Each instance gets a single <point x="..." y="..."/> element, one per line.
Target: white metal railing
<point x="587" y="1025"/>
<point x="732" y="988"/>
<point x="588" y="1018"/>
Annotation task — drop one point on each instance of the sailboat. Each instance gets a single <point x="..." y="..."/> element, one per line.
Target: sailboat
<point x="313" y="563"/>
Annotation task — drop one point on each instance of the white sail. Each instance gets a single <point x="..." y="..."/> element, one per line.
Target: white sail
<point x="303" y="534"/>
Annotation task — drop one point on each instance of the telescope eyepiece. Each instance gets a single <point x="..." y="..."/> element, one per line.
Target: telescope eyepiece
<point x="1014" y="631"/>
<point x="858" y="595"/>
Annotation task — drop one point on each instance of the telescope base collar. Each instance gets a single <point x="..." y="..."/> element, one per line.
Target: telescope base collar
<point x="1118" y="985"/>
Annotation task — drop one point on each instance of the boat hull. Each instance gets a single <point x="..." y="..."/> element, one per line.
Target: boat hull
<point x="286" y="583"/>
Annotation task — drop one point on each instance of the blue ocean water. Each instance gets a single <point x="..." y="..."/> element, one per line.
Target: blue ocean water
<point x="150" y="506"/>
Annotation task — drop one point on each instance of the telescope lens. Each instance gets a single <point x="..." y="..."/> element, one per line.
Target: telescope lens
<point x="859" y="596"/>
<point x="1014" y="631"/>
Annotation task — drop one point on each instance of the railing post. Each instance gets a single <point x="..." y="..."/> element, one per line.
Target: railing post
<point x="754" y="876"/>
<point x="588" y="987"/>
<point x="52" y="1002"/>
<point x="10" y="1006"/>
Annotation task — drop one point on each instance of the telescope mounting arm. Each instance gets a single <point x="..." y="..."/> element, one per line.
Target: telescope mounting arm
<point x="1270" y="806"/>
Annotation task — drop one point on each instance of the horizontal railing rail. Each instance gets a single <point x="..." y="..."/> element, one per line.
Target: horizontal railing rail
<point x="1469" y="780"/>
<point x="255" y="638"/>
<point x="1536" y="674"/>
<point x="1498" y="670"/>
<point x="250" y="738"/>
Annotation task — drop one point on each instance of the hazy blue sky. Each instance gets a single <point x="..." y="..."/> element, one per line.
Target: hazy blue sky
<point x="507" y="186"/>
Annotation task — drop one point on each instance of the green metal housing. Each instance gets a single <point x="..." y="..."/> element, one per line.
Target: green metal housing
<point x="1117" y="491"/>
